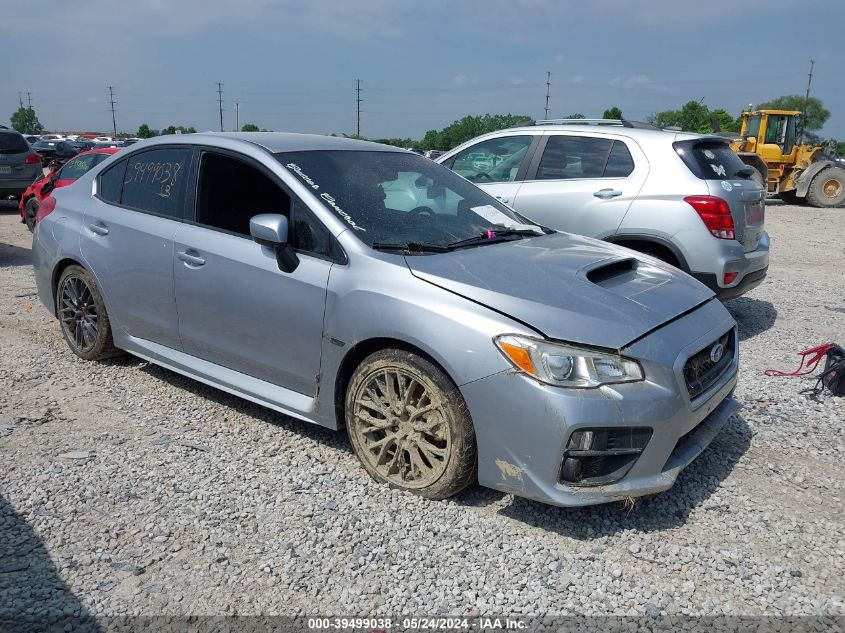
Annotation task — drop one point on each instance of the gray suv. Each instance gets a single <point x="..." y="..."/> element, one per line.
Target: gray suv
<point x="19" y="164"/>
<point x="351" y="284"/>
<point x="684" y="198"/>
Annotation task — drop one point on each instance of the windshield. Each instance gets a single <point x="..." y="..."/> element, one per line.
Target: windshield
<point x="400" y="198"/>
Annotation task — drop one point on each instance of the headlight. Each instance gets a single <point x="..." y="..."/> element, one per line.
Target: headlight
<point x="566" y="366"/>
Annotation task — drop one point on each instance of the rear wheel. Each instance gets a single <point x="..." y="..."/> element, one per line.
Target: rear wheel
<point x="82" y="315"/>
<point x="409" y="425"/>
<point x="827" y="188"/>
<point x="30" y="211"/>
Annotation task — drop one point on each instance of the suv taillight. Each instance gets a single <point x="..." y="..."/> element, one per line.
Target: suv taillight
<point x="32" y="159"/>
<point x="47" y="206"/>
<point x="716" y="215"/>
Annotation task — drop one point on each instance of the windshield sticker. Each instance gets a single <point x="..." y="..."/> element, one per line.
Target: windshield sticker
<point x="726" y="185"/>
<point x="719" y="169"/>
<point x="493" y="215"/>
<point x="709" y="154"/>
<point x="325" y="197"/>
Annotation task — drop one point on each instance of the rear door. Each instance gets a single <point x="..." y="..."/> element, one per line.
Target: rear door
<point x="127" y="240"/>
<point x="497" y="165"/>
<point x="581" y="183"/>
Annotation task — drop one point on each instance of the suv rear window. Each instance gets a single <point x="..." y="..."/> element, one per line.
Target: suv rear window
<point x="709" y="159"/>
<point x="13" y="143"/>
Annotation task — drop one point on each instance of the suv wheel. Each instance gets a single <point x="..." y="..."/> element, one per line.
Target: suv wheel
<point x="409" y="425"/>
<point x="82" y="315"/>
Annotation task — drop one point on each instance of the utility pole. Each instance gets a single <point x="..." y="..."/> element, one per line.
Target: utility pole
<point x="113" y="120"/>
<point x="548" y="88"/>
<point x="220" y="103"/>
<point x="358" y="90"/>
<point x="237" y="117"/>
<point x="806" y="102"/>
<point x="20" y="98"/>
<point x="29" y="99"/>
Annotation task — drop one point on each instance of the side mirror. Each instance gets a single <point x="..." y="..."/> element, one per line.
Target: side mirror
<point x="271" y="230"/>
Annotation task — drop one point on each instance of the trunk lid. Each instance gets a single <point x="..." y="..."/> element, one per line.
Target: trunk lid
<point x="567" y="287"/>
<point x="748" y="208"/>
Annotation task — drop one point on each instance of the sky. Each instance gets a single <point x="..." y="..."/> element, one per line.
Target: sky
<point x="292" y="64"/>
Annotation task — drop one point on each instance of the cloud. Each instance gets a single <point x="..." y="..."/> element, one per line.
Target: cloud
<point x="637" y="80"/>
<point x="615" y="82"/>
<point x="517" y="81"/>
<point x="578" y="79"/>
<point x="459" y="81"/>
<point x="559" y="58"/>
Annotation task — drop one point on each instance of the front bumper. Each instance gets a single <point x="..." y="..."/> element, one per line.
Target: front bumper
<point x="522" y="427"/>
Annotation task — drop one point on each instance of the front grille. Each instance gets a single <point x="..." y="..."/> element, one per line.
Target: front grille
<point x="701" y="371"/>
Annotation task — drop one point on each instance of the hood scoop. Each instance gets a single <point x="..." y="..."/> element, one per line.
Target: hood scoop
<point x="604" y="275"/>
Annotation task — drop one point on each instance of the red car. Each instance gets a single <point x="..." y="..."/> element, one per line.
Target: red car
<point x="67" y="174"/>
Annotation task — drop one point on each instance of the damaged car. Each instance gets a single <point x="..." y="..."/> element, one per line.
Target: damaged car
<point x="365" y="288"/>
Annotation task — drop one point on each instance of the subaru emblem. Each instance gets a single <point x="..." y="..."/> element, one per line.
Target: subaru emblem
<point x="716" y="352"/>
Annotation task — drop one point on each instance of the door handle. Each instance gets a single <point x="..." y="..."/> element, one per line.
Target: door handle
<point x="501" y="199"/>
<point x="99" y="228"/>
<point x="607" y="194"/>
<point x="191" y="259"/>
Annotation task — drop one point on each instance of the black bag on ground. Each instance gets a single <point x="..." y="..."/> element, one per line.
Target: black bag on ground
<point x="833" y="374"/>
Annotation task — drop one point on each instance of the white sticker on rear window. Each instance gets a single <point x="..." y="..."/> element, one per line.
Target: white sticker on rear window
<point x="719" y="169"/>
<point x="493" y="215"/>
<point x="709" y="154"/>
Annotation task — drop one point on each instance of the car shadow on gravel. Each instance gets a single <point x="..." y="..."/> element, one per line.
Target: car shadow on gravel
<point x="315" y="432"/>
<point x="33" y="596"/>
<point x="752" y="316"/>
<point x="14" y="255"/>
<point x="654" y="513"/>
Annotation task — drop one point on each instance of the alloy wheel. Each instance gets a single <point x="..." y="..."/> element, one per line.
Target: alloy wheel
<point x="78" y="313"/>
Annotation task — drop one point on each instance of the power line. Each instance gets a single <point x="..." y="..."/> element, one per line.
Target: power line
<point x="548" y="87"/>
<point x="113" y="119"/>
<point x="358" y="90"/>
<point x="220" y="102"/>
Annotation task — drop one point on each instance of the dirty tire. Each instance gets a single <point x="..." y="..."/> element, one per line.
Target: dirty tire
<point x="827" y="188"/>
<point x="82" y="315"/>
<point x="409" y="425"/>
<point x="30" y="210"/>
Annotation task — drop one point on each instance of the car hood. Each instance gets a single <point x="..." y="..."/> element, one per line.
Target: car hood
<point x="567" y="287"/>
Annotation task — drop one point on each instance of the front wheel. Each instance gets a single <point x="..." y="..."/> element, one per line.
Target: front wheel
<point x="409" y="425"/>
<point x="82" y="315"/>
<point x="827" y="188"/>
<point x="30" y="211"/>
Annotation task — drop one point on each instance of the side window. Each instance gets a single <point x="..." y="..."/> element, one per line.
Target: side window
<point x="573" y="157"/>
<point x="620" y="163"/>
<point x="232" y="191"/>
<point x="309" y="234"/>
<point x="77" y="167"/>
<point x="493" y="160"/>
<point x="156" y="181"/>
<point x="110" y="183"/>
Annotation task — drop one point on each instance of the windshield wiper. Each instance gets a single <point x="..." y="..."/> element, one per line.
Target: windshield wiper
<point x="411" y="247"/>
<point x="495" y="237"/>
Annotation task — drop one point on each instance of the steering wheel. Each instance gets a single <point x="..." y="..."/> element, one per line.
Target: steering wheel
<point x="421" y="212"/>
<point x="483" y="175"/>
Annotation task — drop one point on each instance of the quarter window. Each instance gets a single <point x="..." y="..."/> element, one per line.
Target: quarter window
<point x="111" y="183"/>
<point x="574" y="157"/>
<point x="620" y="163"/>
<point x="493" y="160"/>
<point x="155" y="182"/>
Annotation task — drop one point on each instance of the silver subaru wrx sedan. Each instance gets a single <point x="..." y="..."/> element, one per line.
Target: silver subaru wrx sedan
<point x="352" y="284"/>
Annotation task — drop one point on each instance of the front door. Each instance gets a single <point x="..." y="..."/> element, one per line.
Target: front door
<point x="236" y="308"/>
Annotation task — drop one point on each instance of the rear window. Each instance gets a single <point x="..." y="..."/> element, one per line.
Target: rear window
<point x="78" y="166"/>
<point x="709" y="160"/>
<point x="13" y="143"/>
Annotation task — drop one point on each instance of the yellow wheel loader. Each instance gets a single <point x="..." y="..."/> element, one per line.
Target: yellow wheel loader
<point x="770" y="142"/>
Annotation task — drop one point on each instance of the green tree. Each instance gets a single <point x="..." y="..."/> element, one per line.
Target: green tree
<point x="250" y="127"/>
<point x="144" y="131"/>
<point x="25" y="121"/>
<point x="612" y="113"/>
<point x="576" y="115"/>
<point x="815" y="114"/>
<point x="469" y="127"/>
<point x="840" y="148"/>
<point x="727" y="123"/>
<point x="171" y="129"/>
<point x="695" y="116"/>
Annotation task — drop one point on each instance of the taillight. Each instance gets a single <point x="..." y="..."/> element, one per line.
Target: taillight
<point x="32" y="159"/>
<point x="716" y="215"/>
<point x="47" y="206"/>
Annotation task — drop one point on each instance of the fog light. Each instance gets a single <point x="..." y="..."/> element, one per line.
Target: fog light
<point x="596" y="457"/>
<point x="729" y="278"/>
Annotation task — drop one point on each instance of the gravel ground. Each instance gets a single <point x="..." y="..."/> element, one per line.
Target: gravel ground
<point x="127" y="489"/>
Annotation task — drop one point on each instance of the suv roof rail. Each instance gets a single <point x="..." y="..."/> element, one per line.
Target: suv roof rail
<point x="619" y="122"/>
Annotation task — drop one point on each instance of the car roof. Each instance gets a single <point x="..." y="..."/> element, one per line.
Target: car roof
<point x="279" y="141"/>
